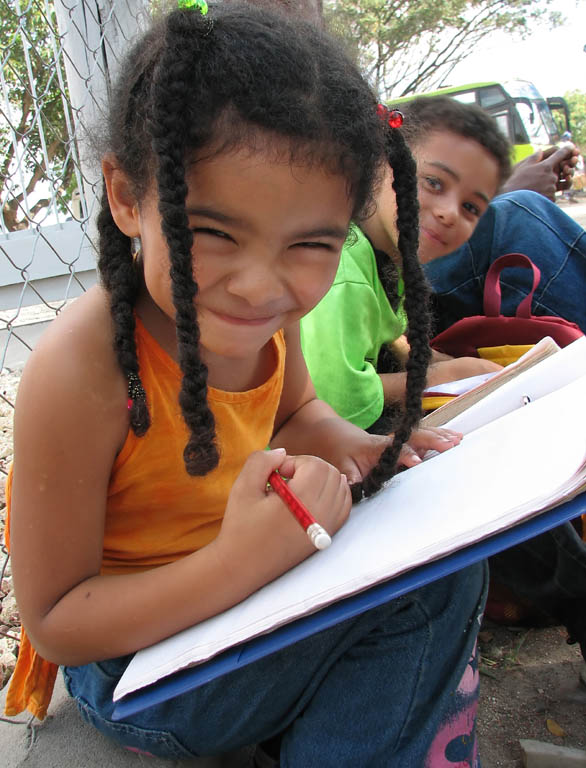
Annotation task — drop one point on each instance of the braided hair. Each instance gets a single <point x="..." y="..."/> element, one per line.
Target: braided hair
<point x="415" y="304"/>
<point x="242" y="77"/>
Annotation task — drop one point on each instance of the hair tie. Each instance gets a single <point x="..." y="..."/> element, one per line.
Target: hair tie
<point x="393" y="117"/>
<point x="135" y="390"/>
<point x="200" y="5"/>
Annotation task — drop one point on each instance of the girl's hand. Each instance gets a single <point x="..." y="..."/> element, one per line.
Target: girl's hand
<point x="427" y="439"/>
<point x="318" y="429"/>
<point x="260" y="538"/>
<point x="351" y="449"/>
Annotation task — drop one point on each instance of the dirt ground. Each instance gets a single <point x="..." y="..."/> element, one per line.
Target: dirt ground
<point x="529" y="689"/>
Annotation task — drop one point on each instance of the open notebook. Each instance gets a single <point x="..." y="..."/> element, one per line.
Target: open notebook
<point x="524" y="452"/>
<point x="457" y="396"/>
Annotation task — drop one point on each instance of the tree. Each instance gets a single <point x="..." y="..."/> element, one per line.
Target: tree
<point x="577" y="103"/>
<point x="34" y="142"/>
<point x="406" y="46"/>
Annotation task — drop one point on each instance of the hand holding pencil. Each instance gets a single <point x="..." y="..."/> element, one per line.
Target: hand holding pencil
<point x="318" y="536"/>
<point x="261" y="532"/>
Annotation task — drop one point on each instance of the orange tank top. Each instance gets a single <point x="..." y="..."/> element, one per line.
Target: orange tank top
<point x="156" y="512"/>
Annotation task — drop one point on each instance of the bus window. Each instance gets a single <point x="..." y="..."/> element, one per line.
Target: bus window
<point x="548" y="121"/>
<point x="520" y="137"/>
<point x="466" y="98"/>
<point x="532" y="120"/>
<point x="495" y="100"/>
<point x="491" y="97"/>
<point x="503" y="123"/>
<point x="539" y="122"/>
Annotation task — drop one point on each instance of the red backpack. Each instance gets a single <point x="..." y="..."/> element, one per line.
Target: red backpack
<point x="496" y="337"/>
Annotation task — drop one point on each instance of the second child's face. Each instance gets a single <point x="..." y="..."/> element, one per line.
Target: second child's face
<point x="267" y="242"/>
<point x="457" y="178"/>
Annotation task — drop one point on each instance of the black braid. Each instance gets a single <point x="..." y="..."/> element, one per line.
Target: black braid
<point x="118" y="275"/>
<point x="416" y="308"/>
<point x="193" y="86"/>
<point x="171" y="95"/>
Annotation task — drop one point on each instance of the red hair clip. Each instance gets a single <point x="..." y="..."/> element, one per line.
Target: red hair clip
<point x="393" y="117"/>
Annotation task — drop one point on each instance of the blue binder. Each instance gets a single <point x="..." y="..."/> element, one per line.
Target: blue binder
<point x="245" y="653"/>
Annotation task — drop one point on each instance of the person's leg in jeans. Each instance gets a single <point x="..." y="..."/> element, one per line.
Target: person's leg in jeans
<point x="517" y="222"/>
<point x="382" y="689"/>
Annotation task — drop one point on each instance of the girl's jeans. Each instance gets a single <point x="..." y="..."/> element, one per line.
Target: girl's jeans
<point x="518" y="222"/>
<point x="396" y="686"/>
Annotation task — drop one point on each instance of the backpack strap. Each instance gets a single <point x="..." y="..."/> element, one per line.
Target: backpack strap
<point x="492" y="285"/>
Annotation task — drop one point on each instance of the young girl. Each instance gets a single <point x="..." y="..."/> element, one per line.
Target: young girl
<point x="462" y="159"/>
<point x="240" y="147"/>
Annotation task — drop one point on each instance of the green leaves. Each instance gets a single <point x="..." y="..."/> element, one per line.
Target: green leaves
<point x="577" y="104"/>
<point x="406" y="46"/>
<point x="34" y="142"/>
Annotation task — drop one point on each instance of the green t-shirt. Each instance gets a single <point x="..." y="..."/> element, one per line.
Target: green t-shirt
<point x="342" y="337"/>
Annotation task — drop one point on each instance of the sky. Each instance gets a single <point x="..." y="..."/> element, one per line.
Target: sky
<point x="554" y="60"/>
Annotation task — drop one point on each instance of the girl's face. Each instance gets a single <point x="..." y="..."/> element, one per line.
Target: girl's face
<point x="267" y="242"/>
<point x="457" y="179"/>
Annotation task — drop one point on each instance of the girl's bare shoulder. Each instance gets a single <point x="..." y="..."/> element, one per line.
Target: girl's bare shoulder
<point x="83" y="330"/>
<point x="74" y="361"/>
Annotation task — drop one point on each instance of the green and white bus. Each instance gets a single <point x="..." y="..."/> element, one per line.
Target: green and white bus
<point x="522" y="114"/>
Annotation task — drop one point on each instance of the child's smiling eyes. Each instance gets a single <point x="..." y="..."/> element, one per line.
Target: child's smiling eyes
<point x="212" y="232"/>
<point x="473" y="209"/>
<point x="436" y="185"/>
<point x="433" y="183"/>
<point x="312" y="245"/>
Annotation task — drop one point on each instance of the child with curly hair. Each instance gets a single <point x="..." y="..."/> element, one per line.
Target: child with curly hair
<point x="240" y="146"/>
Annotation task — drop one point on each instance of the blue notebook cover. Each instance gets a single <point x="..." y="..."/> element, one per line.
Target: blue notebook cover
<point x="245" y="653"/>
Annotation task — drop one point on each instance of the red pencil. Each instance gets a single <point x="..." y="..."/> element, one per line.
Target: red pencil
<point x="318" y="536"/>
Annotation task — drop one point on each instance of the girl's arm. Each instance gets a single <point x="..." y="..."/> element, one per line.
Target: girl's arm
<point x="443" y="368"/>
<point x="305" y="424"/>
<point x="441" y="372"/>
<point x="459" y="368"/>
<point x="70" y="422"/>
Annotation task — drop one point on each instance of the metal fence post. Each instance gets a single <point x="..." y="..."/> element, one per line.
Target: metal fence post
<point x="96" y="35"/>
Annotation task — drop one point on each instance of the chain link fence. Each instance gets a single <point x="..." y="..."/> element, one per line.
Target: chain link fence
<point x="58" y="61"/>
<point x="58" y="58"/>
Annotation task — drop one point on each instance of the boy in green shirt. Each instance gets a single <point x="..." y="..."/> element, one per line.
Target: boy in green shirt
<point x="462" y="159"/>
